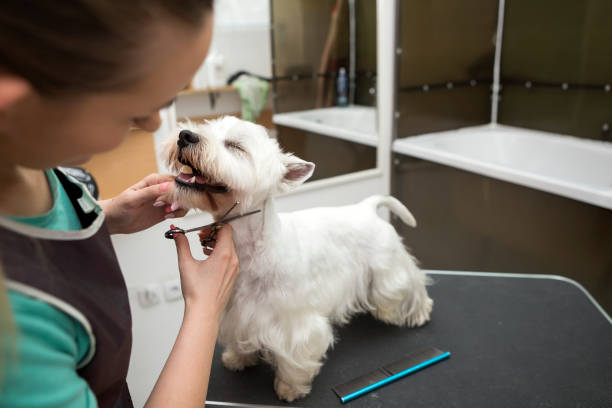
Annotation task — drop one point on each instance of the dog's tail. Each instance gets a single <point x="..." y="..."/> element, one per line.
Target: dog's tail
<point x="394" y="205"/>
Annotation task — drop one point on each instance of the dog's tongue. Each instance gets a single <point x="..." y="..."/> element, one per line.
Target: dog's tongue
<point x="189" y="177"/>
<point x="185" y="177"/>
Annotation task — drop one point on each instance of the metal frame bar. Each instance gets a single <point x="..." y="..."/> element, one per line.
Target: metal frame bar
<point x="497" y="62"/>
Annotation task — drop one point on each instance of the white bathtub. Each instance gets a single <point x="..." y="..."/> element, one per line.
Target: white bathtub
<point x="568" y="166"/>
<point x="353" y="123"/>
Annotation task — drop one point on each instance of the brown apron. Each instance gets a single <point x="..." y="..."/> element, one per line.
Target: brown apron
<point x="77" y="272"/>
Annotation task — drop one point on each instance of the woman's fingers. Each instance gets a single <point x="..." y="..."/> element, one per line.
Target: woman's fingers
<point x="224" y="236"/>
<point x="182" y="249"/>
<point x="208" y="244"/>
<point x="153" y="179"/>
<point x="204" y="233"/>
<point x="179" y="213"/>
<point x="209" y="280"/>
<point x="208" y="247"/>
<point x="149" y="194"/>
<point x="224" y="245"/>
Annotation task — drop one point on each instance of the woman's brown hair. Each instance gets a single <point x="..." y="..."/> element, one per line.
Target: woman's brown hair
<point x="77" y="46"/>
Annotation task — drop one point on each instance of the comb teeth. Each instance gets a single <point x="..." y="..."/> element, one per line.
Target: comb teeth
<point x="391" y="372"/>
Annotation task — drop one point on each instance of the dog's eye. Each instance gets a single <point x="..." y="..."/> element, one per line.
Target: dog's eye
<point x="233" y="145"/>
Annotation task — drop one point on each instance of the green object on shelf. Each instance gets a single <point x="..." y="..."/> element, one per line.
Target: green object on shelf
<point x="253" y="94"/>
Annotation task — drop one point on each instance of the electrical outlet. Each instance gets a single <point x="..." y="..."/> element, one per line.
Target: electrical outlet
<point x="172" y="290"/>
<point x="150" y="295"/>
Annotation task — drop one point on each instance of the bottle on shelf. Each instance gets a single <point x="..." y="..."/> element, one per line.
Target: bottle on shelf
<point x="342" y="87"/>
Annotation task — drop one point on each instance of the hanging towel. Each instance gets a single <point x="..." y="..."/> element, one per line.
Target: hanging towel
<point x="253" y="93"/>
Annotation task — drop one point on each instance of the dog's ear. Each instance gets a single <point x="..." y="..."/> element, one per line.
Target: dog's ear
<point x="297" y="171"/>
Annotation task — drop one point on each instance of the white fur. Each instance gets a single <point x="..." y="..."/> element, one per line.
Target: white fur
<point x="304" y="271"/>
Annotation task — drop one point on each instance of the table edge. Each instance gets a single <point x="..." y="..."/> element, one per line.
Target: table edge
<point x="524" y="276"/>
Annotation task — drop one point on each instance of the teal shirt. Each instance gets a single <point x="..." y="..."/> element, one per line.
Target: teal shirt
<point x="39" y="363"/>
<point x="62" y="217"/>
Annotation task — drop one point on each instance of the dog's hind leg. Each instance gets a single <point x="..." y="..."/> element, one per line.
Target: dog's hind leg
<point x="398" y="294"/>
<point x="297" y="358"/>
<point x="236" y="361"/>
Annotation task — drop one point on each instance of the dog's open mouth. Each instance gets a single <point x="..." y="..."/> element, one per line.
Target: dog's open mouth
<point x="191" y="178"/>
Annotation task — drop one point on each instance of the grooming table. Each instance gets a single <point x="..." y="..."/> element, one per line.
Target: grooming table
<point x="516" y="341"/>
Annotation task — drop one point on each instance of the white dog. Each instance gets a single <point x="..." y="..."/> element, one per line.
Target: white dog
<point x="301" y="272"/>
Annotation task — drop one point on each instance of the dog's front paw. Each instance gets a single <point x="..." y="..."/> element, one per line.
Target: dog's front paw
<point x="289" y="393"/>
<point x="238" y="362"/>
<point x="422" y="315"/>
<point x="402" y="315"/>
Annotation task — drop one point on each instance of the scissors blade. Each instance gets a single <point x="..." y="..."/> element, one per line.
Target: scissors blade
<point x="235" y="217"/>
<point x="212" y="224"/>
<point x="230" y="210"/>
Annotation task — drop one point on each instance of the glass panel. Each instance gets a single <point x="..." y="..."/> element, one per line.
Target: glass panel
<point x="365" y="87"/>
<point x="445" y="41"/>
<point x="299" y="35"/>
<point x="333" y="157"/>
<point x="442" y="108"/>
<point x="295" y="95"/>
<point x="300" y="32"/>
<point x="546" y="44"/>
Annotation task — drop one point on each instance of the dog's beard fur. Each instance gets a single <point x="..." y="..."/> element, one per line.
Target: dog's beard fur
<point x="200" y="159"/>
<point x="301" y="271"/>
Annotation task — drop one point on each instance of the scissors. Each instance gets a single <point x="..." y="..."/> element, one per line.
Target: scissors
<point x="215" y="226"/>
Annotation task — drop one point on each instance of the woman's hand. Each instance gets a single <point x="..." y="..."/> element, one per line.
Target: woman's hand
<point x="207" y="284"/>
<point x="206" y="288"/>
<point x="140" y="207"/>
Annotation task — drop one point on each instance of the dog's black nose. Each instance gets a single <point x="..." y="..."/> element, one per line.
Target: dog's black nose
<point x="187" y="137"/>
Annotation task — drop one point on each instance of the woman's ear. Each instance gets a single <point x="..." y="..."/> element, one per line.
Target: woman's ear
<point x="12" y="89"/>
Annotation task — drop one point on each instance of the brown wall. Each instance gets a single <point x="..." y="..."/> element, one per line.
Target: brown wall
<point x="445" y="41"/>
<point x="332" y="157"/>
<point x="551" y="42"/>
<point x="545" y="42"/>
<point x="470" y="222"/>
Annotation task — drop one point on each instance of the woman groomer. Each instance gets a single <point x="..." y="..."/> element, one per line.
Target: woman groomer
<point x="75" y="75"/>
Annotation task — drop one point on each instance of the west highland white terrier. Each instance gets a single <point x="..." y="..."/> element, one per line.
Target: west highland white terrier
<point x="300" y="272"/>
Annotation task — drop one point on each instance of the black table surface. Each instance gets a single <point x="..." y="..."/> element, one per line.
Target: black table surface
<point x="516" y="341"/>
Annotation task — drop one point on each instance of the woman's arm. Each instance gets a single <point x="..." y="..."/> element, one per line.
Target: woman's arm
<point x="206" y="288"/>
<point x="184" y="380"/>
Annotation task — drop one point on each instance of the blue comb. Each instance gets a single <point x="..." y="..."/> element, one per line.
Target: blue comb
<point x="389" y="373"/>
